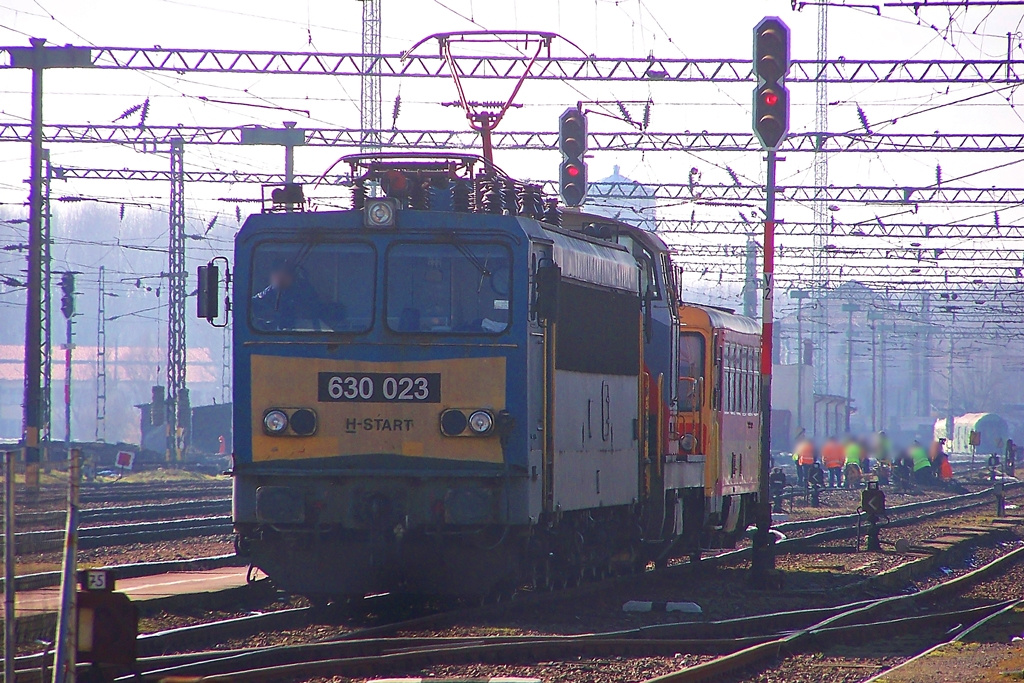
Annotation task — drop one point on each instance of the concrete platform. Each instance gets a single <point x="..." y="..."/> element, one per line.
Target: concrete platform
<point x="141" y="588"/>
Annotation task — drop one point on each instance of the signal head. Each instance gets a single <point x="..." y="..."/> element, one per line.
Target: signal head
<point x="572" y="133"/>
<point x="572" y="182"/>
<point x="771" y="50"/>
<point x="771" y="115"/>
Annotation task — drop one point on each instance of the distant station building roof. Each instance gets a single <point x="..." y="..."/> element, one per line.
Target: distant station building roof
<point x="630" y="201"/>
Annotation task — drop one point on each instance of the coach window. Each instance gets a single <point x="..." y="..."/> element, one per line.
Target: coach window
<point x="743" y="379"/>
<point x="454" y="288"/>
<point x="730" y="379"/>
<point x="748" y="380"/>
<point x="691" y="370"/>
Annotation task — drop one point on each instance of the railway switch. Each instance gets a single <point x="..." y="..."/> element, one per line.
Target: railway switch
<point x="107" y="621"/>
<point x="817" y="481"/>
<point x="872" y="502"/>
<point x="777" y="487"/>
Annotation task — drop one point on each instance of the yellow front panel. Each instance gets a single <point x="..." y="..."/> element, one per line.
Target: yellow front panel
<point x="400" y="428"/>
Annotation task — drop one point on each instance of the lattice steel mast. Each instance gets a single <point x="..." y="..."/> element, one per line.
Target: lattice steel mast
<point x="819" y="267"/>
<point x="225" y="365"/>
<point x="177" y="394"/>
<point x="45" y="397"/>
<point x="101" y="360"/>
<point x="370" y="91"/>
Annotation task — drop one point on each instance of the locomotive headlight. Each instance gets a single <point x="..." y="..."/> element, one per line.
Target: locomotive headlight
<point x="275" y="422"/>
<point x="380" y="213"/>
<point x="481" y="422"/>
<point x="688" y="442"/>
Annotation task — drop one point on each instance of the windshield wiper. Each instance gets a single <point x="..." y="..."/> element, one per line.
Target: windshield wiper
<point x="472" y="258"/>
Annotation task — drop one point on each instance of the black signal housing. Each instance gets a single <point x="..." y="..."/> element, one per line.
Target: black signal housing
<point x="771" y="98"/>
<point x="572" y="143"/>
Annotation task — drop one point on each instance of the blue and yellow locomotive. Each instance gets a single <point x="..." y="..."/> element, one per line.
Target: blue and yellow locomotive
<point x="454" y="388"/>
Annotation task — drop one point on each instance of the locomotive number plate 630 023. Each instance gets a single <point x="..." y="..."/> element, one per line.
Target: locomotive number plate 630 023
<point x="379" y="387"/>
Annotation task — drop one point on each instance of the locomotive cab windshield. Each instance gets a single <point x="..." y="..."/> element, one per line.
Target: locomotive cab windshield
<point x="319" y="287"/>
<point x="457" y="288"/>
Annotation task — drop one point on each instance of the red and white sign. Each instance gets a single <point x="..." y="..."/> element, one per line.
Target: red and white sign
<point x="125" y="460"/>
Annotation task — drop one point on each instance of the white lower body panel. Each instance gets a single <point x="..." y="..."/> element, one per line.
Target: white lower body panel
<point x="596" y="457"/>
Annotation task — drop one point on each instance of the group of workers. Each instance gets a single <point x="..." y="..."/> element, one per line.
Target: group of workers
<point x="847" y="462"/>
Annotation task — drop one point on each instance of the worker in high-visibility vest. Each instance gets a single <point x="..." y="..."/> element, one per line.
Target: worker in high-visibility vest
<point x="833" y="456"/>
<point x="854" y="454"/>
<point x="805" y="459"/>
<point x="883" y="448"/>
<point x="922" y="465"/>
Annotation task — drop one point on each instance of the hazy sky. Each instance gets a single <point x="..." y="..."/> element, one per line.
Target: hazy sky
<point x="665" y="28"/>
<point x="669" y="28"/>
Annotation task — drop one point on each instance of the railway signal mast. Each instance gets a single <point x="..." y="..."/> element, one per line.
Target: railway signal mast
<point x="67" y="308"/>
<point x="771" y="123"/>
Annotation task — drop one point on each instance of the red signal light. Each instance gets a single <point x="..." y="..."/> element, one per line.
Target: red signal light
<point x="573" y="171"/>
<point x="771" y="99"/>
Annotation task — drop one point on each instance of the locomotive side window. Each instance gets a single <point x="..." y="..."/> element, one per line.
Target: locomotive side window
<point x="454" y="288"/>
<point x="312" y="287"/>
<point x="648" y="272"/>
<point x="691" y="370"/>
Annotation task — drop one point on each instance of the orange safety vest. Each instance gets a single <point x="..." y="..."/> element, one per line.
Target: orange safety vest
<point x="945" y="470"/>
<point x="833" y="455"/>
<point x="806" y="453"/>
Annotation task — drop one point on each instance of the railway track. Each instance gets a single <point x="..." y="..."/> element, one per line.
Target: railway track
<point x="853" y="619"/>
<point x="152" y="511"/>
<point x="733" y="644"/>
<point x="111" y="493"/>
<point x="372" y="643"/>
<point x="27" y="542"/>
<point x="707" y="638"/>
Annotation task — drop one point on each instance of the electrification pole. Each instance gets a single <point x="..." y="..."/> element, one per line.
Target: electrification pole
<point x="950" y="415"/>
<point x="101" y="360"/>
<point x="177" y="393"/>
<point x="750" y="280"/>
<point x="10" y="621"/>
<point x="37" y="58"/>
<point x="800" y="295"/>
<point x="369" y="80"/>
<point x="881" y="383"/>
<point x="225" y="365"/>
<point x="822" y="219"/>
<point x="877" y="421"/>
<point x="925" y="407"/>
<point x="771" y="123"/>
<point x="46" y="313"/>
<point x="851" y="309"/>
